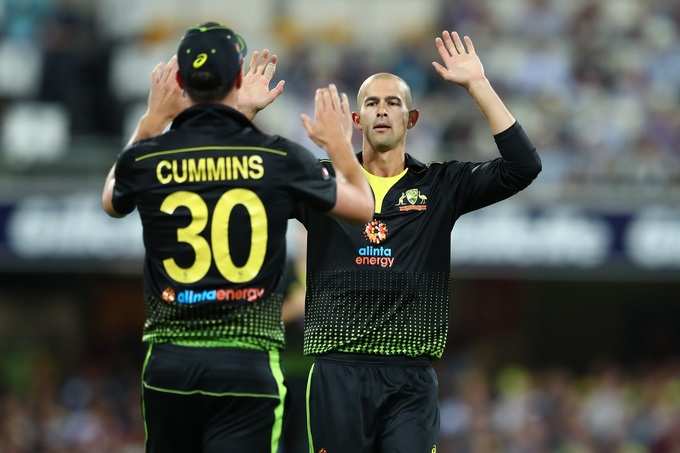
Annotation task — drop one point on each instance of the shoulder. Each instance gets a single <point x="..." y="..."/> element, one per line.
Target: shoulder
<point x="452" y="166"/>
<point x="293" y="149"/>
<point x="137" y="150"/>
<point x="296" y="153"/>
<point x="438" y="167"/>
<point x="452" y="170"/>
<point x="431" y="169"/>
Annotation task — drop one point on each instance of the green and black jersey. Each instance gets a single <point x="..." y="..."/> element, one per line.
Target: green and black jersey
<point x="382" y="288"/>
<point x="214" y="195"/>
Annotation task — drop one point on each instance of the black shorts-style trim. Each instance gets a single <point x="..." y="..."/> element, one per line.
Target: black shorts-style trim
<point x="367" y="404"/>
<point x="211" y="400"/>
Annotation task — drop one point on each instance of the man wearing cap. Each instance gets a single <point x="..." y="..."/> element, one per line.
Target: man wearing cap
<point x="214" y="195"/>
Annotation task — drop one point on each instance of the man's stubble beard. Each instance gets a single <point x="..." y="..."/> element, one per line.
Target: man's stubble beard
<point x="383" y="147"/>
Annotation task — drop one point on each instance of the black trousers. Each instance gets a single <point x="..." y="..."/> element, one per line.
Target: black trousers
<point x="211" y="400"/>
<point x="372" y="404"/>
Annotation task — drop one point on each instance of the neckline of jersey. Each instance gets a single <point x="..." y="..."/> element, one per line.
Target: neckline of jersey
<point x="381" y="185"/>
<point x="203" y="112"/>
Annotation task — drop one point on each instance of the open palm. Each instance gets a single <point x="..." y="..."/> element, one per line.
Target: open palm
<point x="461" y="64"/>
<point x="255" y="93"/>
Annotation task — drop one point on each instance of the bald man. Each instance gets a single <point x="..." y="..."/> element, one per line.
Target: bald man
<point x="377" y="295"/>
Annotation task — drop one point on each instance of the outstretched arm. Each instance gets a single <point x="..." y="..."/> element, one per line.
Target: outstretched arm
<point x="487" y="182"/>
<point x="463" y="67"/>
<point x="166" y="100"/>
<point x="331" y="129"/>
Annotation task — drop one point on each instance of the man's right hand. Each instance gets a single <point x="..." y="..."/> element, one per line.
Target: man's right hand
<point x="166" y="101"/>
<point x="332" y="121"/>
<point x="331" y="129"/>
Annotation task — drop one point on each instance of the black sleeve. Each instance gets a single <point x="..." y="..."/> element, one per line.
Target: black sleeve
<point x="123" y="189"/>
<point x="310" y="183"/>
<point x="480" y="184"/>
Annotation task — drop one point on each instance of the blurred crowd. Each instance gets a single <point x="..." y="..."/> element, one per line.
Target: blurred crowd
<point x="596" y="83"/>
<point x="512" y="410"/>
<point x="522" y="411"/>
<point x="92" y="408"/>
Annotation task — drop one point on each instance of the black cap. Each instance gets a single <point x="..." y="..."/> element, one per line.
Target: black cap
<point x="214" y="51"/>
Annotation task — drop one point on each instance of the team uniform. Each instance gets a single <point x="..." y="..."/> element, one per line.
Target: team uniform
<point x="377" y="300"/>
<point x="214" y="195"/>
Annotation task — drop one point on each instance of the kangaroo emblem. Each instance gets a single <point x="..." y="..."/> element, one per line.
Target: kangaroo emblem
<point x="412" y="200"/>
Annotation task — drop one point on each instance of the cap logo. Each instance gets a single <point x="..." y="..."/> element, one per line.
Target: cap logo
<point x="200" y="60"/>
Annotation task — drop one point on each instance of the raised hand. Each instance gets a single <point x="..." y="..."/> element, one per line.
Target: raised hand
<point x="166" y="98"/>
<point x="461" y="63"/>
<point x="255" y="93"/>
<point x="332" y="118"/>
<point x="331" y="129"/>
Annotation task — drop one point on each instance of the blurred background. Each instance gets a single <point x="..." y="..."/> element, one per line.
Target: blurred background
<point x="565" y="314"/>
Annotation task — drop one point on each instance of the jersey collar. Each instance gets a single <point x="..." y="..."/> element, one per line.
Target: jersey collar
<point x="212" y="114"/>
<point x="412" y="163"/>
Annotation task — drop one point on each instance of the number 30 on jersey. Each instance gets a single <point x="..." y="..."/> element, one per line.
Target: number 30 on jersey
<point x="219" y="236"/>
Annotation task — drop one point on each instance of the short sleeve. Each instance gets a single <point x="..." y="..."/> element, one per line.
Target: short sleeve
<point x="124" y="187"/>
<point x="309" y="182"/>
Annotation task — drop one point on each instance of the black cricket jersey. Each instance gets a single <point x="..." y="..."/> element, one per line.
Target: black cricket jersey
<point x="382" y="288"/>
<point x="214" y="195"/>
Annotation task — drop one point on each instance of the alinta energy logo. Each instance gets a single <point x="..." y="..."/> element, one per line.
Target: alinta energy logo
<point x="191" y="297"/>
<point x="412" y="200"/>
<point x="375" y="232"/>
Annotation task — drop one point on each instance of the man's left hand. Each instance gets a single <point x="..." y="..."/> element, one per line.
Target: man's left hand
<point x="461" y="65"/>
<point x="255" y="94"/>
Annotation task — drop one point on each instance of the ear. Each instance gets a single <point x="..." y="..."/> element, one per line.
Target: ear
<point x="356" y="119"/>
<point x="239" y="78"/>
<point x="413" y="116"/>
<point x="180" y="82"/>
